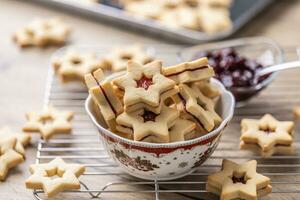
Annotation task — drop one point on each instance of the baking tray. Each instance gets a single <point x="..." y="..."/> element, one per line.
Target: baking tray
<point x="241" y="11"/>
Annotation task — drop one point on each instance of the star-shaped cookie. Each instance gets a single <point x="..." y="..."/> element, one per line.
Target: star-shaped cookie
<point x="236" y="181"/>
<point x="118" y="58"/>
<point x="9" y="157"/>
<point x="22" y="139"/>
<point x="42" y="32"/>
<point x="143" y="123"/>
<point x="267" y="132"/>
<point x="54" y="177"/>
<point x="296" y="112"/>
<point x="72" y="66"/>
<point x="49" y="122"/>
<point x="182" y="130"/>
<point x="199" y="106"/>
<point x="143" y="84"/>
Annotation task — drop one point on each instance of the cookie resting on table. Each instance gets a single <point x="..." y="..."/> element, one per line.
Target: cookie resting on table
<point x="238" y="181"/>
<point x="49" y="122"/>
<point x="200" y="107"/>
<point x="72" y="66"/>
<point x="9" y="156"/>
<point x="143" y="83"/>
<point x="42" y="32"/>
<point x="67" y="176"/>
<point x="103" y="95"/>
<point x="143" y="123"/>
<point x="117" y="59"/>
<point x="189" y="71"/>
<point x="22" y="139"/>
<point x="269" y="134"/>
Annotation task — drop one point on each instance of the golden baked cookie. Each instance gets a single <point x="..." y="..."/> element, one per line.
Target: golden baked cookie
<point x="238" y="181"/>
<point x="67" y="176"/>
<point x="49" y="122"/>
<point x="42" y="32"/>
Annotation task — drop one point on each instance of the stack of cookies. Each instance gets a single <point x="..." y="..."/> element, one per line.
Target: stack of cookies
<point x="205" y="15"/>
<point x="154" y="104"/>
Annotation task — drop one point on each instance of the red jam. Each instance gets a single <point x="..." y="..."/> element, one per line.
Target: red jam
<point x="149" y="116"/>
<point x="144" y="82"/>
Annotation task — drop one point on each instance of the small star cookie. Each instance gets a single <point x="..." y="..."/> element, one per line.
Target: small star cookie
<point x="72" y="66"/>
<point x="105" y="97"/>
<point x="208" y="89"/>
<point x="143" y="123"/>
<point x="267" y="133"/>
<point x="147" y="9"/>
<point x="296" y="112"/>
<point x="67" y="176"/>
<point x="49" y="122"/>
<point x="189" y="71"/>
<point x="143" y="84"/>
<point x="42" y="32"/>
<point x="118" y="58"/>
<point x="9" y="156"/>
<point x="200" y="107"/>
<point x="22" y="139"/>
<point x="238" y="181"/>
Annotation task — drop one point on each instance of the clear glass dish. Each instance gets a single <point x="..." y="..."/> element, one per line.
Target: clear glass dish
<point x="264" y="50"/>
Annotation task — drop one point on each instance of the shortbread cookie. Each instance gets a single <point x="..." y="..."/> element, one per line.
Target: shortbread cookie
<point x="236" y="181"/>
<point x="49" y="122"/>
<point x="118" y="58"/>
<point x="296" y="112"/>
<point x="42" y="32"/>
<point x="72" y="66"/>
<point x="189" y="71"/>
<point x="155" y="109"/>
<point x="143" y="84"/>
<point x="212" y="3"/>
<point x="278" y="149"/>
<point x="22" y="139"/>
<point x="9" y="157"/>
<point x="267" y="132"/>
<point x="67" y="176"/>
<point x="214" y="19"/>
<point x="182" y="130"/>
<point x="199" y="106"/>
<point x="103" y="95"/>
<point x="143" y="123"/>
<point x="208" y="89"/>
<point x="145" y="8"/>
<point x="179" y="17"/>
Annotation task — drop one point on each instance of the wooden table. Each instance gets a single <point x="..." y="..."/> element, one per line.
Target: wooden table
<point x="23" y="74"/>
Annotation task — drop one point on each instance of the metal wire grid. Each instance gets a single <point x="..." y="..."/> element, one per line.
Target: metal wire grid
<point x="84" y="146"/>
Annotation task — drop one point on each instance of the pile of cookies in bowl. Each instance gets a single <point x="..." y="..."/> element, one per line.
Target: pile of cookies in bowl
<point x="176" y="113"/>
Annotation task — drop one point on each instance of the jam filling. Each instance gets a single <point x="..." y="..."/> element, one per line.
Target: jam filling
<point x="144" y="82"/>
<point x="76" y="61"/>
<point x="241" y="179"/>
<point x="186" y="70"/>
<point x="267" y="130"/>
<point x="149" y="116"/>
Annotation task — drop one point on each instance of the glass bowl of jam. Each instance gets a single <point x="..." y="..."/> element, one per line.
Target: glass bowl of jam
<point x="236" y="63"/>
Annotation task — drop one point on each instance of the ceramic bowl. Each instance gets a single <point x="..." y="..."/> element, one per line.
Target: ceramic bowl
<point x="168" y="160"/>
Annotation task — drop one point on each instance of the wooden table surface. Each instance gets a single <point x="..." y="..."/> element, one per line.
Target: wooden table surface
<point x="23" y="72"/>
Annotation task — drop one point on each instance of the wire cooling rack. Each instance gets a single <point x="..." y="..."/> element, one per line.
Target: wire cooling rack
<point x="104" y="179"/>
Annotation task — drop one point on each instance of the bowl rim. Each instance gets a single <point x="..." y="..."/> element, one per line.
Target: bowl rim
<point x="200" y="139"/>
<point x="244" y="41"/>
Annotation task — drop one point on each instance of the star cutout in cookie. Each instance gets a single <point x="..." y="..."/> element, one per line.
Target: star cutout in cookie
<point x="143" y="84"/>
<point x="267" y="132"/>
<point x="49" y="123"/>
<point x="54" y="177"/>
<point x="72" y="66"/>
<point x="143" y="123"/>
<point x="42" y="32"/>
<point x="22" y="139"/>
<point x="236" y="181"/>
<point x="9" y="157"/>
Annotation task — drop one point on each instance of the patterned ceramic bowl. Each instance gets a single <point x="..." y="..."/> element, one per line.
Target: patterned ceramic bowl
<point x="163" y="161"/>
